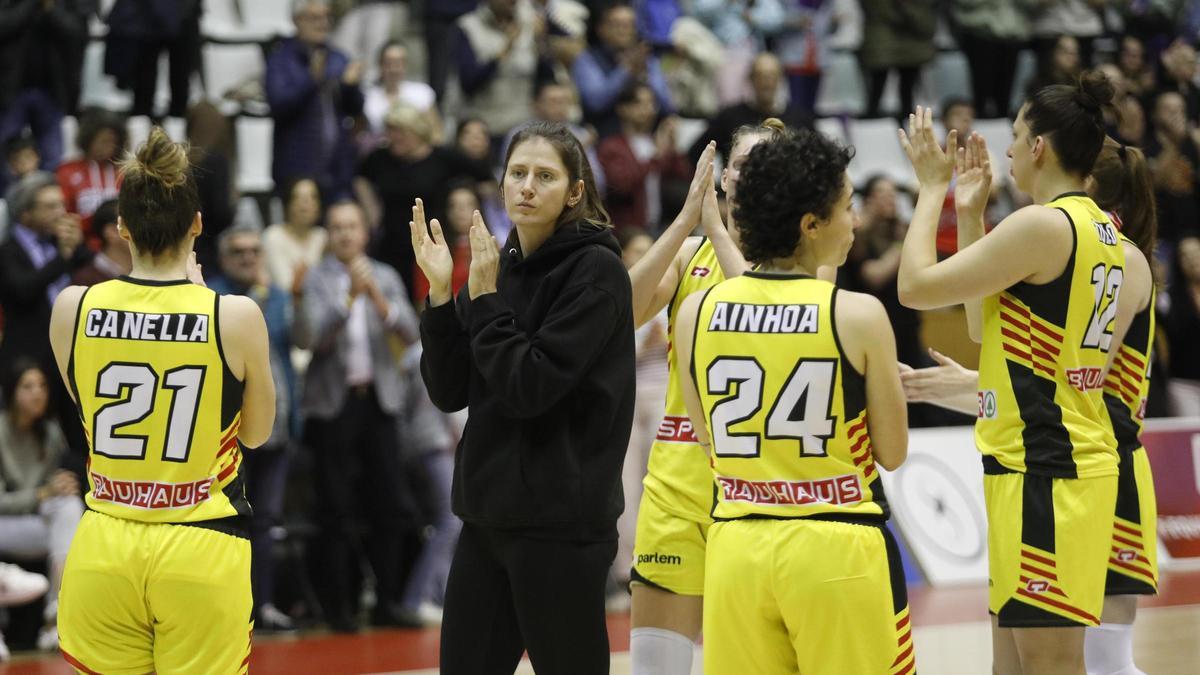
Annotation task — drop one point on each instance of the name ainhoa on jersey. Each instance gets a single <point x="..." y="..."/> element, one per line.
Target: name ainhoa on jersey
<point x="124" y="325"/>
<point x="738" y="317"/>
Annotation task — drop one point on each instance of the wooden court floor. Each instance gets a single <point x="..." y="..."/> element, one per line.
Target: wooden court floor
<point x="951" y="639"/>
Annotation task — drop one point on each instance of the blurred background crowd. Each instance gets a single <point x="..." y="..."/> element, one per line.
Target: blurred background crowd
<point x="314" y="124"/>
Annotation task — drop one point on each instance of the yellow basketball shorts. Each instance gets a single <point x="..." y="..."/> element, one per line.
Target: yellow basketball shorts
<point x="147" y="597"/>
<point x="1133" y="555"/>
<point x="668" y="549"/>
<point x="1048" y="546"/>
<point x="818" y="597"/>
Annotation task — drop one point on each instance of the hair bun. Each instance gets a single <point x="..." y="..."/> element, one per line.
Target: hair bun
<point x="774" y="123"/>
<point x="1094" y="91"/>
<point x="159" y="159"/>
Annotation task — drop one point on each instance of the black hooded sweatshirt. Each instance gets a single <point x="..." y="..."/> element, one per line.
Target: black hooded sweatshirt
<point x="546" y="367"/>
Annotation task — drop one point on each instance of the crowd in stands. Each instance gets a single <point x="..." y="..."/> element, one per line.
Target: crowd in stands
<point x="374" y="104"/>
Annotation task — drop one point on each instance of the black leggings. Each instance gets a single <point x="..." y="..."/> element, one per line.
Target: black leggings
<point x="509" y="593"/>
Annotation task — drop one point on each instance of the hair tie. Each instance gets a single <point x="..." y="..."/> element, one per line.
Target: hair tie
<point x="1121" y="152"/>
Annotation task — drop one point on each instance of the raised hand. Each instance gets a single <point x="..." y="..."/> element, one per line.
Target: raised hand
<point x="932" y="164"/>
<point x="974" y="183"/>
<point x="485" y="259"/>
<point x="702" y="184"/>
<point x="432" y="254"/>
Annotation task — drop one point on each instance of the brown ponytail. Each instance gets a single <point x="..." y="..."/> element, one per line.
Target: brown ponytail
<point x="158" y="199"/>
<point x="771" y="129"/>
<point x="1123" y="185"/>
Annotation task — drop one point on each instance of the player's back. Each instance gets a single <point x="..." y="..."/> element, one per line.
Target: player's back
<point x="158" y="402"/>
<point x="785" y="408"/>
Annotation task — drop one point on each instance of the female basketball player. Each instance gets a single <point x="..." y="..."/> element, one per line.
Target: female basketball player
<point x="171" y="381"/>
<point x="539" y="348"/>
<point x="1121" y="184"/>
<point x="675" y="510"/>
<point x="795" y="383"/>
<point x="1051" y="278"/>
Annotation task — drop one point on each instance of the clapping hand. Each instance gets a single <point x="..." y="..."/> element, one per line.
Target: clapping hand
<point x="485" y="259"/>
<point x="433" y="255"/>
<point x="933" y="165"/>
<point x="195" y="271"/>
<point x="974" y="183"/>
<point x="702" y="184"/>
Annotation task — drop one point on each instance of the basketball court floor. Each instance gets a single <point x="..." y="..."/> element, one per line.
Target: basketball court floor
<point x="951" y="639"/>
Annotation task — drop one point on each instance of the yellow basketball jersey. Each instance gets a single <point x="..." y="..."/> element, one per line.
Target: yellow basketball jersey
<point x="1128" y="383"/>
<point x="158" y="403"/>
<point x="785" y="409"/>
<point x="677" y="464"/>
<point x="1041" y="407"/>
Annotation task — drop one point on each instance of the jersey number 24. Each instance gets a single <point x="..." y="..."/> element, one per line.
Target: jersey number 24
<point x="808" y="391"/>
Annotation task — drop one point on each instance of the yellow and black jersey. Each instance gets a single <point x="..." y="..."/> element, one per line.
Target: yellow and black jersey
<point x="785" y="408"/>
<point x="1041" y="407"/>
<point x="678" y="466"/>
<point x="158" y="403"/>
<point x="1128" y="383"/>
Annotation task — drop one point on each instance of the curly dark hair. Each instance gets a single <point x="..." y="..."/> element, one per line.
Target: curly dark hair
<point x="782" y="181"/>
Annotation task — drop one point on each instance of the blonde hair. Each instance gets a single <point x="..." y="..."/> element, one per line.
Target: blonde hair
<point x="158" y="199"/>
<point x="410" y="119"/>
<point x="771" y="129"/>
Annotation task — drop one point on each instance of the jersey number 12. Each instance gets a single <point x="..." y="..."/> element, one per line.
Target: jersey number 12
<point x="1106" y="283"/>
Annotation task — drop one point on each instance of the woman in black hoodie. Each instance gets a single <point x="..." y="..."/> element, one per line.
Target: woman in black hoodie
<point x="539" y="347"/>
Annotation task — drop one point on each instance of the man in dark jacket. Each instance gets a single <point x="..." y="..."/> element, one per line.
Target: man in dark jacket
<point x="313" y="92"/>
<point x="41" y="49"/>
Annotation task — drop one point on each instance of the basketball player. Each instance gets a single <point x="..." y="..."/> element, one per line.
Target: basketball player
<point x="171" y="381"/>
<point x="667" y="579"/>
<point x="795" y="384"/>
<point x="1051" y="278"/>
<point x="1121" y="184"/>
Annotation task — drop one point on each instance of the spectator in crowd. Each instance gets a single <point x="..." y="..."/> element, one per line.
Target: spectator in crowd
<point x="1183" y="325"/>
<point x="766" y="75"/>
<point x="353" y="313"/>
<point x="1078" y="19"/>
<point x="209" y="136"/>
<point x="497" y="58"/>
<point x="1179" y="75"/>
<point x="45" y="245"/>
<point x="1058" y="62"/>
<point x="364" y="26"/>
<point x="690" y="66"/>
<point x="138" y="32"/>
<point x="803" y="48"/>
<point x="897" y="36"/>
<point x="1138" y="72"/>
<point x="991" y="35"/>
<point x="1175" y="160"/>
<point x="394" y="87"/>
<point x="296" y="245"/>
<point x="39" y="502"/>
<point x="743" y="26"/>
<point x="313" y="92"/>
<point x="555" y="102"/>
<point x="20" y="159"/>
<point x="474" y="141"/>
<point x="41" y="47"/>
<point x="461" y="204"/>
<point x="608" y="68"/>
<point x="640" y="161"/>
<point x="243" y="273"/>
<point x="114" y="258"/>
<point x="95" y="178"/>
<point x="411" y="166"/>
<point x="440" y="22"/>
<point x="18" y="587"/>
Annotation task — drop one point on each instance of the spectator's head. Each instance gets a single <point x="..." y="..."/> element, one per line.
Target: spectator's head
<point x="27" y="395"/>
<point x="547" y="179"/>
<point x="347" y="230"/>
<point x="1112" y="73"/>
<point x="208" y="129"/>
<point x="1132" y="57"/>
<point x="634" y="241"/>
<point x="159" y="208"/>
<point x="409" y="131"/>
<point x="637" y="108"/>
<point x="879" y="199"/>
<point x="503" y="10"/>
<point x="240" y="251"/>
<point x="302" y="203"/>
<point x="36" y="202"/>
<point x="1064" y="56"/>
<point x="1131" y="121"/>
<point x="1121" y="182"/>
<point x="22" y="156"/>
<point x="393" y="63"/>
<point x="104" y="224"/>
<point x="744" y="140"/>
<point x="617" y="29"/>
<point x="474" y="140"/>
<point x="959" y="114"/>
<point x="461" y="204"/>
<point x="766" y="72"/>
<point x="313" y="21"/>
<point x="1170" y="115"/>
<point x="1179" y="62"/>
<point x="102" y="135"/>
<point x="1188" y="252"/>
<point x="795" y="199"/>
<point x="1060" y="126"/>
<point x="553" y="102"/>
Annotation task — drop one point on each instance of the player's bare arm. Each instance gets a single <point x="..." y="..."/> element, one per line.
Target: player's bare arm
<point x="971" y="194"/>
<point x="948" y="385"/>
<point x="244" y="341"/>
<point x="685" y="336"/>
<point x="62" y="328"/>
<point x="867" y="338"/>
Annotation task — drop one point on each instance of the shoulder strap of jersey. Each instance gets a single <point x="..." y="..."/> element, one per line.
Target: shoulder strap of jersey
<point x="74" y="337"/>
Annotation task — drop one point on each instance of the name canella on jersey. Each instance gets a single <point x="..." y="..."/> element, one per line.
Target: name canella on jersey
<point x="125" y="325"/>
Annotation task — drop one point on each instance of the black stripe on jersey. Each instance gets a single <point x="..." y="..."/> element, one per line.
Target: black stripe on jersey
<point x="696" y="334"/>
<point x="71" y="356"/>
<point x="878" y="496"/>
<point x="1050" y="301"/>
<point x="1047" y="443"/>
<point x="231" y="386"/>
<point x="854" y="385"/>
<point x="1037" y="512"/>
<point x="1137" y="337"/>
<point x="1128" y="505"/>
<point x="1017" y="614"/>
<point x="1124" y="427"/>
<point x="153" y="282"/>
<point x="235" y="492"/>
<point x="895" y="571"/>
